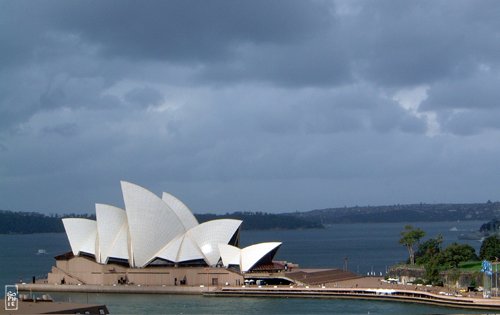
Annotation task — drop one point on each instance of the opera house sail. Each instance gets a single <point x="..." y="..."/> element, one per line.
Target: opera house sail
<point x="152" y="232"/>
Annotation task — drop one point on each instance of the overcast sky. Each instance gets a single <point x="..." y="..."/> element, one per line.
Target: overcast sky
<point x="249" y="105"/>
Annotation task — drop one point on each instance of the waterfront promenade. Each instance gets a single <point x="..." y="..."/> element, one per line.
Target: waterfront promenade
<point x="394" y="295"/>
<point x="124" y="289"/>
<point x="367" y="288"/>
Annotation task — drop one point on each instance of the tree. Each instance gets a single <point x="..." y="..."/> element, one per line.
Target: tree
<point x="432" y="271"/>
<point x="457" y="253"/>
<point x="490" y="248"/>
<point x="428" y="250"/>
<point x="409" y="237"/>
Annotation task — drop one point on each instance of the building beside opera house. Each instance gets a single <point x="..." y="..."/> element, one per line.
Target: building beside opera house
<point x="158" y="241"/>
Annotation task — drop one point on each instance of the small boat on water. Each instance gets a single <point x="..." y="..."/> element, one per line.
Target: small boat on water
<point x="41" y="251"/>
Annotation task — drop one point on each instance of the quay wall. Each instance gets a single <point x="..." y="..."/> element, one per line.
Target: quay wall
<point x="408" y="296"/>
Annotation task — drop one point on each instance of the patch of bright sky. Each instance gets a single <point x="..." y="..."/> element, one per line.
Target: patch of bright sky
<point x="410" y="99"/>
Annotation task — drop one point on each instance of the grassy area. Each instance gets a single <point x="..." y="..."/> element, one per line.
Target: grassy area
<point x="466" y="266"/>
<point x="470" y="266"/>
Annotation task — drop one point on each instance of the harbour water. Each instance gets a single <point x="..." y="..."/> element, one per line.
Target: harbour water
<point x="369" y="247"/>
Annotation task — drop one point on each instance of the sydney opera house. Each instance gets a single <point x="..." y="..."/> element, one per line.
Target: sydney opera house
<point x="157" y="241"/>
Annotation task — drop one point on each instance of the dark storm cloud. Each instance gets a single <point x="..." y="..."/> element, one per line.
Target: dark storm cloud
<point x="189" y="30"/>
<point x="144" y="97"/>
<point x="468" y="105"/>
<point x="398" y="43"/>
<point x="62" y="130"/>
<point x="228" y="40"/>
<point x="290" y="42"/>
<point x="469" y="122"/>
<point x="318" y="61"/>
<point x="254" y="105"/>
<point x="478" y="91"/>
<point x="75" y="93"/>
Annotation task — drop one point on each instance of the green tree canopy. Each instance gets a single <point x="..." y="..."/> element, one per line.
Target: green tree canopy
<point x="432" y="271"/>
<point x="457" y="253"/>
<point x="490" y="248"/>
<point x="428" y="250"/>
<point x="409" y="237"/>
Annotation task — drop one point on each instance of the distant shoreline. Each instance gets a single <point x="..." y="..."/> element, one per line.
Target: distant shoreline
<point x="325" y="226"/>
<point x="32" y="222"/>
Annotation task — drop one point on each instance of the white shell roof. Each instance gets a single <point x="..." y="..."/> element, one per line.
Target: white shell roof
<point x="151" y="227"/>
<point x="82" y="235"/>
<point x="189" y="250"/>
<point x="181" y="210"/>
<point x="201" y="242"/>
<point x="180" y="249"/>
<point x="210" y="234"/>
<point x="171" y="250"/>
<point x="152" y="223"/>
<point x="112" y="233"/>
<point x="247" y="257"/>
<point x="230" y="255"/>
<point x="252" y="254"/>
